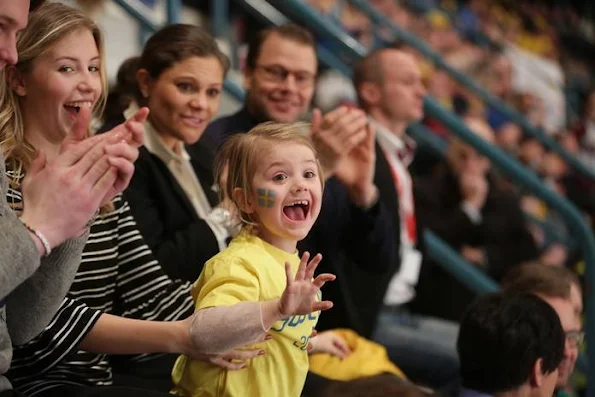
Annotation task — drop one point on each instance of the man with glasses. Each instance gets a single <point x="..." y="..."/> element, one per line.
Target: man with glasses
<point x="560" y="288"/>
<point x="354" y="232"/>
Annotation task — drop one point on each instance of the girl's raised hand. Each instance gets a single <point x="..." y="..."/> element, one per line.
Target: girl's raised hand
<point x="299" y="297"/>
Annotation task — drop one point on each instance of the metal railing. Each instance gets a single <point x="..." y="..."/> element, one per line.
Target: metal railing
<point x="451" y="261"/>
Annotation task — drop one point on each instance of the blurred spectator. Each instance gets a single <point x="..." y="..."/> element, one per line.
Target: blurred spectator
<point x="441" y="87"/>
<point x="531" y="107"/>
<point x="390" y="90"/>
<point x="498" y="80"/>
<point x="468" y="18"/>
<point x="466" y="205"/>
<point x="584" y="132"/>
<point x="543" y="80"/>
<point x="348" y="17"/>
<point x="532" y="153"/>
<point x="396" y="12"/>
<point x="334" y="89"/>
<point x="562" y="290"/>
<point x="508" y="138"/>
<point x="510" y="345"/>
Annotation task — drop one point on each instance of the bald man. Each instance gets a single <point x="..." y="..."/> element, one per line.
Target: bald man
<point x="468" y="206"/>
<point x="389" y="87"/>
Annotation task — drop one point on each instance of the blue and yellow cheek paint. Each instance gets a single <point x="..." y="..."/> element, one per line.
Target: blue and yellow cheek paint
<point x="266" y="198"/>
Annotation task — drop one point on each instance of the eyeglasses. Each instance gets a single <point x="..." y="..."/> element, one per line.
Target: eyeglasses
<point x="575" y="337"/>
<point x="279" y="74"/>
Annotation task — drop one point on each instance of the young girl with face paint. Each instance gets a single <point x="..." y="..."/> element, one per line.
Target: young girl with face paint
<point x="272" y="178"/>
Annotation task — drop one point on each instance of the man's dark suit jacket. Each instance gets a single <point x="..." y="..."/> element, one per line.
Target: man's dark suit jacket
<point x="360" y="247"/>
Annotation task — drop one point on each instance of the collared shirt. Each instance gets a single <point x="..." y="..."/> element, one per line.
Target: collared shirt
<point x="178" y="163"/>
<point x="399" y="154"/>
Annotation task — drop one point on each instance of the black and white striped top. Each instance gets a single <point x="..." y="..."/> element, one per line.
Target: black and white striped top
<point x="118" y="275"/>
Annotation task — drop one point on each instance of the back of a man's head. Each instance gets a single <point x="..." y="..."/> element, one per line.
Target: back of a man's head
<point x="507" y="341"/>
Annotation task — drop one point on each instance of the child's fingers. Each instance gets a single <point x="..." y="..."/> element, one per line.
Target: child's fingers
<point x="311" y="268"/>
<point x="323" y="278"/>
<point x="341" y="345"/>
<point x="263" y="338"/>
<point x="321" y="306"/>
<point x="233" y="366"/>
<point x="243" y="354"/>
<point x="299" y="276"/>
<point x="334" y="350"/>
<point x="288" y="275"/>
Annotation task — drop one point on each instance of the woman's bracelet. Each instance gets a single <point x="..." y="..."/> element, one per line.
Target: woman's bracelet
<point x="40" y="236"/>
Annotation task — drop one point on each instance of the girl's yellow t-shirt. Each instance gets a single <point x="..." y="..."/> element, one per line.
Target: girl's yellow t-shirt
<point x="249" y="270"/>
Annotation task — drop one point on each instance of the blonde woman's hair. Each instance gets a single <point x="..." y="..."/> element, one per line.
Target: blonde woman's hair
<point x="238" y="159"/>
<point x="47" y="25"/>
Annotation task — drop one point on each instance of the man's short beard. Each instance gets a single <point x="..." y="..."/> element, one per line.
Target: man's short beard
<point x="259" y="112"/>
<point x="257" y="109"/>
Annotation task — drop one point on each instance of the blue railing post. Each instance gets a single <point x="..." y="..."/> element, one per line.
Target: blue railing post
<point x="460" y="269"/>
<point x="134" y="13"/>
<point x="174" y="11"/>
<point x="234" y="90"/>
<point x="219" y="17"/>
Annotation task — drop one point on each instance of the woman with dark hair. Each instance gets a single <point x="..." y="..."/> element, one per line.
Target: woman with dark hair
<point x="180" y="77"/>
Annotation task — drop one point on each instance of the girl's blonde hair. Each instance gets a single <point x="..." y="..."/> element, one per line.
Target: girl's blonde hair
<point x="48" y="24"/>
<point x="238" y="159"/>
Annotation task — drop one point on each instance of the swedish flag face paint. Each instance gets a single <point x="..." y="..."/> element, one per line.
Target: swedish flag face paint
<point x="266" y="198"/>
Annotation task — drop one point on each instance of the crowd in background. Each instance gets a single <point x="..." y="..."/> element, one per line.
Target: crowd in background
<point x="402" y="325"/>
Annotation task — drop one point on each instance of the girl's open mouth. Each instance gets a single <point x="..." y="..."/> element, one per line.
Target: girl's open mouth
<point x="297" y="211"/>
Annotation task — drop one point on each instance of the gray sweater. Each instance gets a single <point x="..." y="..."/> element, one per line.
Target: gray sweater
<point x="31" y="289"/>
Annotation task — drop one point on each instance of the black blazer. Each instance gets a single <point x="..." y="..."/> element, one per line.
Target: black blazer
<point x="358" y="246"/>
<point x="364" y="290"/>
<point x="383" y="178"/>
<point x="181" y="241"/>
